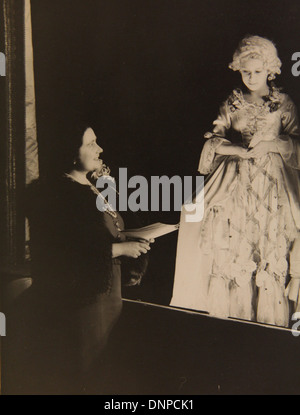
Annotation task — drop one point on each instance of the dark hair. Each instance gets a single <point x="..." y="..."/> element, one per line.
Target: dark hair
<point x="70" y="142"/>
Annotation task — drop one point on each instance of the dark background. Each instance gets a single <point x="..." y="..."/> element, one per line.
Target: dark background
<point x="149" y="76"/>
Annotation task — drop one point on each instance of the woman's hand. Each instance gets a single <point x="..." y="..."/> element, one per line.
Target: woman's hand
<point x="233" y="150"/>
<point x="131" y="249"/>
<point x="242" y="152"/>
<point x="262" y="148"/>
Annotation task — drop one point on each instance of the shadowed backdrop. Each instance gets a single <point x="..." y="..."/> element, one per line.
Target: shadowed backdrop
<point x="149" y="76"/>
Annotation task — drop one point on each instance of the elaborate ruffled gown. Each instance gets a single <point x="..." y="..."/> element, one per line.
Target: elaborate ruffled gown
<point x="236" y="261"/>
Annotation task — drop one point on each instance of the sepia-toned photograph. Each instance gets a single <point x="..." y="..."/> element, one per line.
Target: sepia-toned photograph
<point x="150" y="199"/>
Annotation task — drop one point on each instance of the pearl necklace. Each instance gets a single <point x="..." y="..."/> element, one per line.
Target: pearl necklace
<point x="109" y="210"/>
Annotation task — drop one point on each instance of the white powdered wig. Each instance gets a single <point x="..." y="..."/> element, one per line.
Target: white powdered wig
<point x="257" y="47"/>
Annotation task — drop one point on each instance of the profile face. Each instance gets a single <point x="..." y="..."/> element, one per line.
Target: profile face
<point x="89" y="152"/>
<point x="254" y="74"/>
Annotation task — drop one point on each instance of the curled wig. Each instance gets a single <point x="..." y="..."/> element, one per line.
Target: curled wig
<point x="257" y="47"/>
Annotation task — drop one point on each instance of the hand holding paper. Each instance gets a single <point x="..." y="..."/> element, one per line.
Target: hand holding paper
<point x="151" y="231"/>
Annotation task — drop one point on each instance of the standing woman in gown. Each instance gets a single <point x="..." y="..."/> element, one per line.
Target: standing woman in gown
<point x="242" y="259"/>
<point x="59" y="327"/>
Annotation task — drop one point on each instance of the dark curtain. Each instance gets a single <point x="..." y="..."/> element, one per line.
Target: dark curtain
<point x="12" y="136"/>
<point x="12" y="173"/>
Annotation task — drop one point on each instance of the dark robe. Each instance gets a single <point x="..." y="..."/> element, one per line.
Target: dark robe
<point x="59" y="327"/>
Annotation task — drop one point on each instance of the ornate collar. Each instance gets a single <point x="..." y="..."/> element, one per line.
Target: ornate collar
<point x="272" y="101"/>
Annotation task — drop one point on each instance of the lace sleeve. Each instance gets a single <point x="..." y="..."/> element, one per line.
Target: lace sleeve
<point x="209" y="159"/>
<point x="288" y="143"/>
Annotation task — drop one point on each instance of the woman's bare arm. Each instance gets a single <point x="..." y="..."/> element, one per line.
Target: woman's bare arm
<point x="231" y="150"/>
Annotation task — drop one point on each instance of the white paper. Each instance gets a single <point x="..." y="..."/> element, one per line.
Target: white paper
<point x="151" y="231"/>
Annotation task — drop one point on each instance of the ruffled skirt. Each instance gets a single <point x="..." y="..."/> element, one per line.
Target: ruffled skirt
<point x="235" y="262"/>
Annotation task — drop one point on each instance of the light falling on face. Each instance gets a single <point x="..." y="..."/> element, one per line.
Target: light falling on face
<point x="254" y="75"/>
<point x="89" y="152"/>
